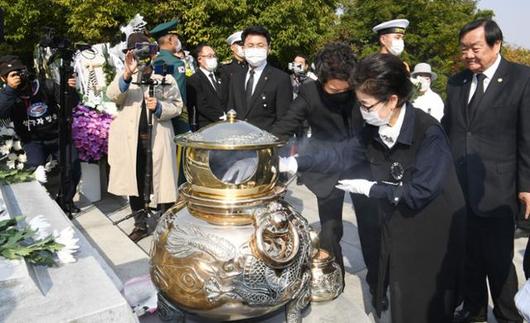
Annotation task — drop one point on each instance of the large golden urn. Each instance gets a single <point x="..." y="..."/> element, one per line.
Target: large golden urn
<point x="231" y="248"/>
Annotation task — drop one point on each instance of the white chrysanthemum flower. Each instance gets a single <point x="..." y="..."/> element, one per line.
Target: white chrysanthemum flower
<point x="66" y="238"/>
<point x="4" y="150"/>
<point x="17" y="145"/>
<point x="40" y="225"/>
<point x="9" y="143"/>
<point x="22" y="158"/>
<point x="12" y="156"/>
<point x="20" y="166"/>
<point x="11" y="164"/>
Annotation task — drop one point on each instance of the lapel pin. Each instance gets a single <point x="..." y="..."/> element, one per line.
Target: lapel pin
<point x="499" y="80"/>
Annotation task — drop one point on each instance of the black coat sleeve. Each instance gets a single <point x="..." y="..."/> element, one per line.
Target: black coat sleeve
<point x="284" y="95"/>
<point x="329" y="157"/>
<point x="286" y="126"/>
<point x="8" y="99"/>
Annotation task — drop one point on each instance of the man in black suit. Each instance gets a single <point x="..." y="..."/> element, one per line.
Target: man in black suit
<point x="263" y="93"/>
<point x="486" y="119"/>
<point x="205" y="89"/>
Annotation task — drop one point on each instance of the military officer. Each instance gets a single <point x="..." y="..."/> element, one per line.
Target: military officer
<point x="170" y="44"/>
<point x="238" y="63"/>
<point x="391" y="36"/>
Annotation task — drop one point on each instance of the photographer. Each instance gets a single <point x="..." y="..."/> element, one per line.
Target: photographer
<point x="138" y="92"/>
<point x="33" y="107"/>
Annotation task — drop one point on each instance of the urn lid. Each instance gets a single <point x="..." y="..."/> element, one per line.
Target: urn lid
<point x="231" y="134"/>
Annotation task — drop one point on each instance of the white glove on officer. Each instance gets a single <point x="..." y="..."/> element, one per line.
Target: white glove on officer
<point x="356" y="186"/>
<point x="288" y="164"/>
<point x="40" y="174"/>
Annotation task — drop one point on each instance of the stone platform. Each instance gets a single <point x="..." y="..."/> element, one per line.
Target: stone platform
<point x="83" y="292"/>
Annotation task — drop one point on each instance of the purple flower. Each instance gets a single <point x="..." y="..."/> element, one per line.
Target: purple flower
<point x="90" y="132"/>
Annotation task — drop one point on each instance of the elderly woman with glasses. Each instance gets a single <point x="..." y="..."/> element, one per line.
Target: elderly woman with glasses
<point x="412" y="176"/>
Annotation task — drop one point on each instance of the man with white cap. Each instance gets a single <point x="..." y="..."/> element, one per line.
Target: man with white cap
<point x="238" y="63"/>
<point x="391" y="36"/>
<point x="428" y="100"/>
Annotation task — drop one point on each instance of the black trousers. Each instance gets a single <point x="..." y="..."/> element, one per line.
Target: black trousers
<point x="137" y="202"/>
<point x="369" y="228"/>
<point x="489" y="255"/>
<point x="38" y="151"/>
<point x="331" y="228"/>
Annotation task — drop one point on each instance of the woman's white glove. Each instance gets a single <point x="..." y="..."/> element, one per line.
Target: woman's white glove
<point x="288" y="164"/>
<point x="40" y="174"/>
<point x="356" y="186"/>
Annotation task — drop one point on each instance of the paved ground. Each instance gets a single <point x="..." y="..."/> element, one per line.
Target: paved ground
<point x="130" y="260"/>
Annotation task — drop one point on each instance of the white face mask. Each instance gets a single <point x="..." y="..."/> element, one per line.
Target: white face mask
<point x="397" y="47"/>
<point x="239" y="51"/>
<point x="425" y="83"/>
<point x="373" y="118"/>
<point x="178" y="46"/>
<point x="255" y="56"/>
<point x="211" y="64"/>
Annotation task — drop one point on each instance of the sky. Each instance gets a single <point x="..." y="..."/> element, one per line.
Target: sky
<point x="511" y="16"/>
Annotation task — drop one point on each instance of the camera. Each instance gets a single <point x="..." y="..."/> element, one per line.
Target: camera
<point x="52" y="40"/>
<point x="293" y="67"/>
<point x="144" y="51"/>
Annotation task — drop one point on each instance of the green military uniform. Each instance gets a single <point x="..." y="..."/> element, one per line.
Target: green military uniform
<point x="166" y="57"/>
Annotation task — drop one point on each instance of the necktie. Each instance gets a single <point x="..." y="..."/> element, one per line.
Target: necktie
<point x="248" y="88"/>
<point x="477" y="96"/>
<point x="214" y="82"/>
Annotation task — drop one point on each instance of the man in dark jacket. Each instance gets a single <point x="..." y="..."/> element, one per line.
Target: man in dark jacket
<point x="33" y="108"/>
<point x="263" y="93"/>
<point x="486" y="119"/>
<point x="205" y="89"/>
<point x="332" y="112"/>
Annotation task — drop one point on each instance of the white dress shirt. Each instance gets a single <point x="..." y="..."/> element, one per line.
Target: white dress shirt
<point x="257" y="74"/>
<point x="489" y="72"/>
<point x="389" y="134"/>
<point x="207" y="73"/>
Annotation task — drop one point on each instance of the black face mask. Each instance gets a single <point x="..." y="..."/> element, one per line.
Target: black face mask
<point x="338" y="98"/>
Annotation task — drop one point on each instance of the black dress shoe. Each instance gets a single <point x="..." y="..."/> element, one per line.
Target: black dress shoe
<point x="72" y="207"/>
<point x="138" y="233"/>
<point x="466" y="316"/>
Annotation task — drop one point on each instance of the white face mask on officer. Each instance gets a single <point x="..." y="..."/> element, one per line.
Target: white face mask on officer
<point x="211" y="64"/>
<point x="397" y="46"/>
<point x="255" y="56"/>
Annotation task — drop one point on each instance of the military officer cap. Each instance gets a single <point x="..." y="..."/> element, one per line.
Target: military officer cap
<point x="396" y="26"/>
<point x="235" y="37"/>
<point x="166" y="28"/>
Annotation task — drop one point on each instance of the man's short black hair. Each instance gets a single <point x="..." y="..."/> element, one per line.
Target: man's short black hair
<point x="335" y="61"/>
<point x="256" y="30"/>
<point x="492" y="31"/>
<point x="197" y="51"/>
<point x="303" y="56"/>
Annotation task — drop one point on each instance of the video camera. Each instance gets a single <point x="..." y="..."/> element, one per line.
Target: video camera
<point x="144" y="51"/>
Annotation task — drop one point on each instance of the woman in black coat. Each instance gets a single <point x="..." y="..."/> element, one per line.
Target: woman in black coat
<point x="411" y="175"/>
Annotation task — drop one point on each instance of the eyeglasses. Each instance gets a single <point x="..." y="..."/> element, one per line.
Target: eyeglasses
<point x="368" y="108"/>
